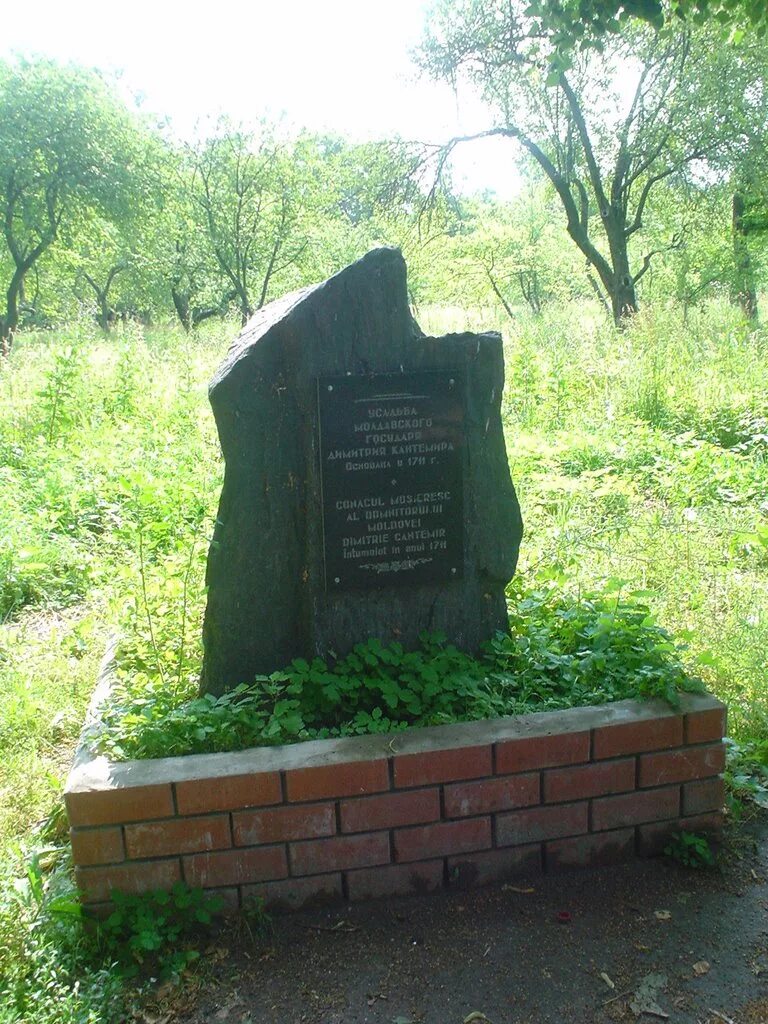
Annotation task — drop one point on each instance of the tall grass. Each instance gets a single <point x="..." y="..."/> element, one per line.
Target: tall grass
<point x="640" y="457"/>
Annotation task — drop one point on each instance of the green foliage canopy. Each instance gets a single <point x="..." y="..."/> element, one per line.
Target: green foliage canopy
<point x="581" y="24"/>
<point x="67" y="146"/>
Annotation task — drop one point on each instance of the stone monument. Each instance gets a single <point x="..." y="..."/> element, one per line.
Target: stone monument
<point x="366" y="490"/>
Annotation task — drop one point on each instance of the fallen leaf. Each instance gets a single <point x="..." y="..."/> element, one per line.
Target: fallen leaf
<point x="645" y="999"/>
<point x="516" y="888"/>
<point x="642" y="948"/>
<point x="607" y="980"/>
<point x="662" y="915"/>
<point x="700" y="967"/>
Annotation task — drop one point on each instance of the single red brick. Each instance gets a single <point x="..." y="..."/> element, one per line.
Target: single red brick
<point x="635" y="808"/>
<point x="637" y="737"/>
<point x="390" y="810"/>
<point x="178" y="835"/>
<point x="704" y="795"/>
<point x="710" y="824"/>
<point x="116" y="806"/>
<point x="590" y="850"/>
<point x="541" y="752"/>
<point x="681" y="765"/>
<point x="282" y="823"/>
<point x="339" y="854"/>
<point x="228" y="793"/>
<point x="96" y="845"/>
<point x="539" y="823"/>
<point x="97" y="883"/>
<point x="235" y="867"/>
<point x="296" y="893"/>
<point x="499" y="794"/>
<point x="352" y="778"/>
<point x="705" y="726"/>
<point x="443" y="766"/>
<point x="578" y="783"/>
<point x="395" y="880"/>
<point x="475" y="869"/>
<point x="448" y="837"/>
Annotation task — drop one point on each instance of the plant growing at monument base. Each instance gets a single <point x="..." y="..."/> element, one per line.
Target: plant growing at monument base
<point x="562" y="652"/>
<point x="690" y="850"/>
<point x="154" y="931"/>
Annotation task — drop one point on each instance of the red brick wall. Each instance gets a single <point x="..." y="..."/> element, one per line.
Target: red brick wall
<point x="383" y="815"/>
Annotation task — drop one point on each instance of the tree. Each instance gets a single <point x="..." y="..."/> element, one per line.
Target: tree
<point x="108" y="253"/>
<point x="179" y="251"/>
<point x="66" y="146"/>
<point x="505" y="253"/>
<point x="359" y="196"/>
<point x="250" y="203"/>
<point x="604" y="152"/>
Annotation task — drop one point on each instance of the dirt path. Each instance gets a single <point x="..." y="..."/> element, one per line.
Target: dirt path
<point x="700" y="936"/>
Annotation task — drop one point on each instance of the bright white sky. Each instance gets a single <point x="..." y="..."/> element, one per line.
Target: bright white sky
<point x="339" y="65"/>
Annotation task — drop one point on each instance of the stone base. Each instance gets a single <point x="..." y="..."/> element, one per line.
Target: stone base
<point x="372" y="816"/>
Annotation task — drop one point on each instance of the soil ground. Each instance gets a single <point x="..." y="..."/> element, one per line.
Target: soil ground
<point x="695" y="942"/>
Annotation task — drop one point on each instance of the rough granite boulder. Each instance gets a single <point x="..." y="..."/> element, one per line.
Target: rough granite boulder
<point x="269" y="598"/>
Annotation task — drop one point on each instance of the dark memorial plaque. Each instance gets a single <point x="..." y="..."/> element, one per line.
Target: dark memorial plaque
<point x="391" y="448"/>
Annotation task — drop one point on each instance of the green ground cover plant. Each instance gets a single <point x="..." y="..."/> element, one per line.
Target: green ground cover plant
<point x="155" y="932"/>
<point x="690" y="850"/>
<point x="563" y="652"/>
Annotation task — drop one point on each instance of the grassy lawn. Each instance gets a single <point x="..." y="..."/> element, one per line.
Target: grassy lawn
<point x="640" y="459"/>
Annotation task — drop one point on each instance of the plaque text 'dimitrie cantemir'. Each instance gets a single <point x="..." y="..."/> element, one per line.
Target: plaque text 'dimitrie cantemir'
<point x="391" y="455"/>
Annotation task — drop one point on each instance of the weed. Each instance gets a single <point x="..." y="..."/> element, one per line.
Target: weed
<point x="154" y="932"/>
<point x="58" y="394"/>
<point x="563" y="651"/>
<point x="257" y="919"/>
<point x="746" y="775"/>
<point x="50" y="968"/>
<point x="690" y="849"/>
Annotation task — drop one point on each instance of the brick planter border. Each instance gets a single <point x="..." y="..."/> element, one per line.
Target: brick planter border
<point x="369" y="816"/>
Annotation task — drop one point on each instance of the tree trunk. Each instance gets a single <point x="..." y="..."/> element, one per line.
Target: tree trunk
<point x="104" y="315"/>
<point x="499" y="295"/>
<point x="181" y="305"/>
<point x="622" y="284"/>
<point x="10" y="321"/>
<point x="623" y="300"/>
<point x="529" y="286"/>
<point x="744" y="292"/>
<point x="597" y="290"/>
<point x="6" y="339"/>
